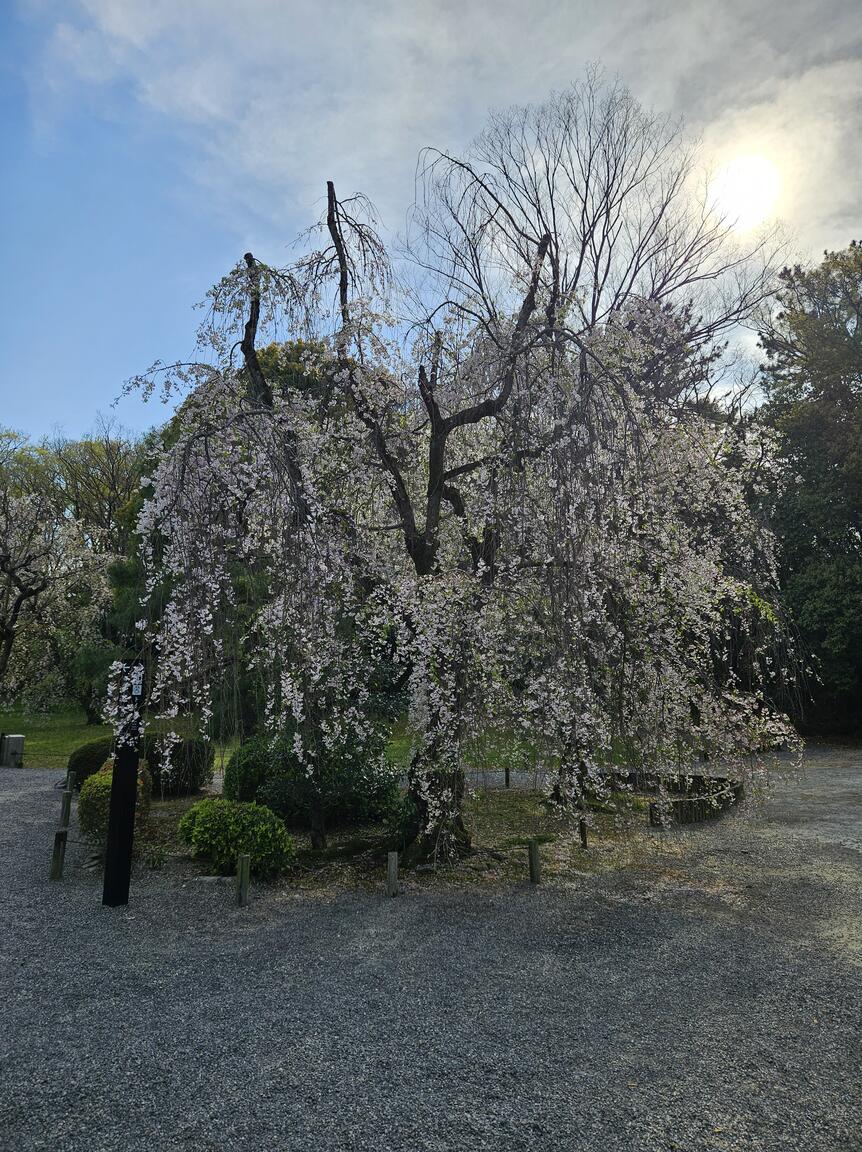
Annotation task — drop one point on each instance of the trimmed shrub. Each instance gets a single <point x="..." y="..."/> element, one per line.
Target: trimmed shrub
<point x="248" y="768"/>
<point x="350" y="788"/>
<point x="94" y="803"/>
<point x="89" y="758"/>
<point x="220" y="830"/>
<point x="189" y="768"/>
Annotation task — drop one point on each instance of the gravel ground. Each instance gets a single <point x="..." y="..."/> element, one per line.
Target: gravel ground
<point x="707" y="1000"/>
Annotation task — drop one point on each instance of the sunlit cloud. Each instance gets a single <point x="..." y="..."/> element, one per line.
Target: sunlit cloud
<point x="746" y="190"/>
<point x="272" y="99"/>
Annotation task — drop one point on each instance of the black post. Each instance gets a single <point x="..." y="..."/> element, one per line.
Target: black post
<point x="124" y="793"/>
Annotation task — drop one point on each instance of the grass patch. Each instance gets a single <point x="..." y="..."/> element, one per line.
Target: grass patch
<point x="399" y="746"/>
<point x="50" y="738"/>
<point x="501" y="822"/>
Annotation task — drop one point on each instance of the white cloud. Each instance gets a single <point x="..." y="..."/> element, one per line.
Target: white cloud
<point x="273" y="98"/>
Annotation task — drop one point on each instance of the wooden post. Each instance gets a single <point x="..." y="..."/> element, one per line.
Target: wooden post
<point x="59" y="854"/>
<point x="243" y="870"/>
<point x="392" y="874"/>
<point x="506" y="774"/>
<point x="65" y="808"/>
<point x="582" y="829"/>
<point x="70" y="781"/>
<point x="535" y="862"/>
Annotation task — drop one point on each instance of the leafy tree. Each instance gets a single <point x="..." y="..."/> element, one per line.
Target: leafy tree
<point x="53" y="585"/>
<point x="77" y="499"/>
<point x="813" y="383"/>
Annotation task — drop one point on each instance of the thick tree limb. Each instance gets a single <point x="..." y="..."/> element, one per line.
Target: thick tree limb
<point x="261" y="390"/>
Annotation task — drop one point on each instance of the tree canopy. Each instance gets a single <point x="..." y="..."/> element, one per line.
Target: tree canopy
<point x="813" y="384"/>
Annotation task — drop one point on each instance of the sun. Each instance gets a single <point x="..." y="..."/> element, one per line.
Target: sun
<point x="745" y="191"/>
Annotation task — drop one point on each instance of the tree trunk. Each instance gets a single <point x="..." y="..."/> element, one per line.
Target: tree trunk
<point x="318" y="823"/>
<point x="436" y="833"/>
<point x="93" y="711"/>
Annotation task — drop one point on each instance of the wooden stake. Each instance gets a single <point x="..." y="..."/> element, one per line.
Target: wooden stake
<point x="243" y="871"/>
<point x="506" y="774"/>
<point x="70" y="781"/>
<point x="59" y="855"/>
<point x="392" y="874"/>
<point x="65" y="808"/>
<point x="582" y="828"/>
<point x="535" y="862"/>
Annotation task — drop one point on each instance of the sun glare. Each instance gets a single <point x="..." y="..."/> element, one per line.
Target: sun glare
<point x="746" y="191"/>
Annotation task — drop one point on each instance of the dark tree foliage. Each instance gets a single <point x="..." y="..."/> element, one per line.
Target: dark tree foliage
<point x="813" y="380"/>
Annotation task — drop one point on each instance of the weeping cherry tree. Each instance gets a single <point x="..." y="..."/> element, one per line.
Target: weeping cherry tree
<point x="493" y="471"/>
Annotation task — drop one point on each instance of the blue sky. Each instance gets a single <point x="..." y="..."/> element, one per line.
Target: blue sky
<point x="148" y="145"/>
<point x="104" y="254"/>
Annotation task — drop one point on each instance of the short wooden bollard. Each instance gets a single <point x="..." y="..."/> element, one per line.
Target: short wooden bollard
<point x="506" y="775"/>
<point x="535" y="862"/>
<point x="65" y="808"/>
<point x="243" y="870"/>
<point x="59" y="854"/>
<point x="392" y="874"/>
<point x="582" y="829"/>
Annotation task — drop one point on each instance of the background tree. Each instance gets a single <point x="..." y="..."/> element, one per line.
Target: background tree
<point x="52" y="584"/>
<point x="79" y="499"/>
<point x="97" y="485"/>
<point x="813" y="384"/>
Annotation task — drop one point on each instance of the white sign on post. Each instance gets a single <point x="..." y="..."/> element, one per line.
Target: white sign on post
<point x="137" y="679"/>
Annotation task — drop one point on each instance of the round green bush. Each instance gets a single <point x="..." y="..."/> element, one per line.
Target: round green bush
<point x="247" y="769"/>
<point x="221" y="829"/>
<point x="89" y="758"/>
<point x="351" y="787"/>
<point x="94" y="803"/>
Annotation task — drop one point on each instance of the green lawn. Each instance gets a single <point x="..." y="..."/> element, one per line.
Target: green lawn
<point x="501" y="821"/>
<point x="51" y="737"/>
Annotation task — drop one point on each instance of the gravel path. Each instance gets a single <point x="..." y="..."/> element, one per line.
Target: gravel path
<point x="708" y="1000"/>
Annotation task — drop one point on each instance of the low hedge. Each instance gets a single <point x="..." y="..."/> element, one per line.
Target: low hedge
<point x="220" y="830"/>
<point x="94" y="803"/>
<point x="191" y="763"/>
